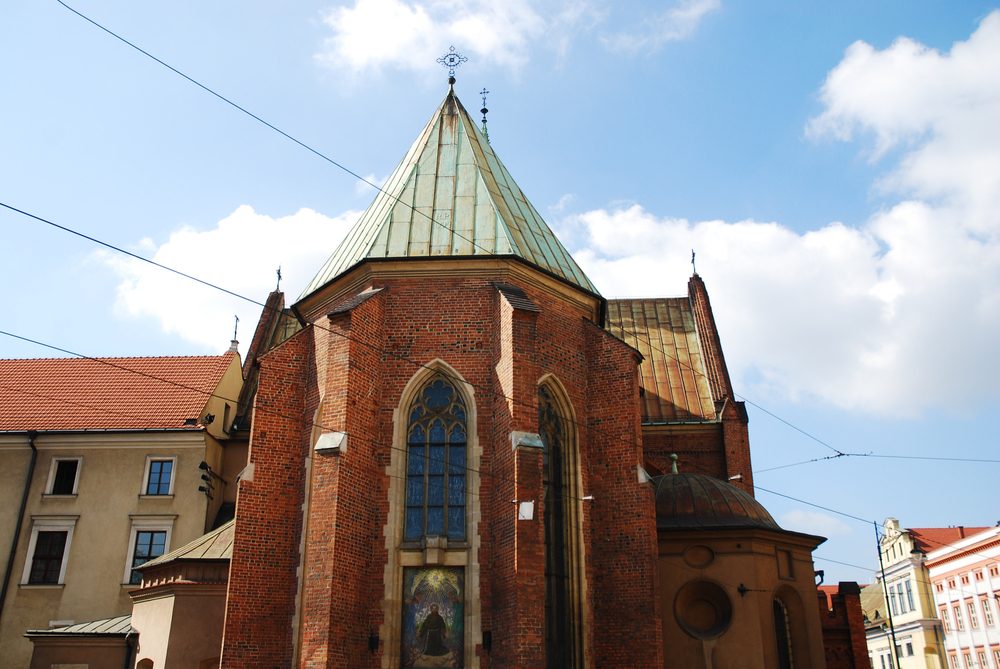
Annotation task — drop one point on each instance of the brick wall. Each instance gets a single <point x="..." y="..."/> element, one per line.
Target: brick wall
<point x="504" y="352"/>
<point x="843" y="628"/>
<point x="262" y="583"/>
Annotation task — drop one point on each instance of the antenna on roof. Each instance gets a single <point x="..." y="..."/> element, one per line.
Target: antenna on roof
<point x="278" y="287"/>
<point x="484" y="93"/>
<point x="233" y="344"/>
<point x="451" y="60"/>
<point x="693" y="268"/>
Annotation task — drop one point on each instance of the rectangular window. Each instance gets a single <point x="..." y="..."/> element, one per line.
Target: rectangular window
<point x="909" y="650"/>
<point x="892" y="598"/>
<point x="902" y="602"/>
<point x="945" y="620"/>
<point x="909" y="595"/>
<point x="148" y="545"/>
<point x="882" y="657"/>
<point x="968" y="660"/>
<point x="954" y="662"/>
<point x="46" y="563"/>
<point x="973" y="620"/>
<point x="159" y="477"/>
<point x="959" y="624"/>
<point x="63" y="476"/>
<point x="983" y="660"/>
<point x="48" y="550"/>
<point x="149" y="539"/>
<point x="996" y="657"/>
<point x="987" y="613"/>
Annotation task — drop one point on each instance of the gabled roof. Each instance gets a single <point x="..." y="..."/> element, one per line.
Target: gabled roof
<point x="216" y="545"/>
<point x="672" y="373"/>
<point x="930" y="538"/>
<point x="451" y="196"/>
<point x="107" y="393"/>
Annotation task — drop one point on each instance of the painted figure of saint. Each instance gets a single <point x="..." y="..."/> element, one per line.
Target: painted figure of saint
<point x="434" y="631"/>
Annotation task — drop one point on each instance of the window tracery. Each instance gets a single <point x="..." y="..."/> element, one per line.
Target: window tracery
<point x="436" y="463"/>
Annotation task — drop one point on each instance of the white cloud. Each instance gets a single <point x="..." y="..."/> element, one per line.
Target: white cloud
<point x="408" y="35"/>
<point x="241" y="255"/>
<point x="365" y="189"/>
<point x="373" y="34"/>
<point x="676" y="23"/>
<point x="813" y="522"/>
<point x="898" y="316"/>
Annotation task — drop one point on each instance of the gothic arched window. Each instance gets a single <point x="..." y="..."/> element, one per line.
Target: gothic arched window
<point x="553" y="430"/>
<point x="435" y="467"/>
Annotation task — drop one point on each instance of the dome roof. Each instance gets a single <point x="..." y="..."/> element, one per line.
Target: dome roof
<point x="693" y="501"/>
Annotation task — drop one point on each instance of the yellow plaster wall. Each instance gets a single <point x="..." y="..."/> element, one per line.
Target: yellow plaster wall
<point x="108" y="499"/>
<point x="747" y="558"/>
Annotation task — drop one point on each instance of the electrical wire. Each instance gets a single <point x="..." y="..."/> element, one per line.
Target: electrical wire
<point x="277" y="130"/>
<point x="414" y="209"/>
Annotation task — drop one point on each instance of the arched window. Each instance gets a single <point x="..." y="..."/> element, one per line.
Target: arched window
<point x="435" y="466"/>
<point x="783" y="634"/>
<point x="553" y="430"/>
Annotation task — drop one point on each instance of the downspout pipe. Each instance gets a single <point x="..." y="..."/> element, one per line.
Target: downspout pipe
<point x="20" y="520"/>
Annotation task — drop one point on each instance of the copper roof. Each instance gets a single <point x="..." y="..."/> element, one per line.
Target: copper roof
<point x="107" y="393"/>
<point x="672" y="373"/>
<point x="109" y="626"/>
<point x="697" y="502"/>
<point x="451" y="196"/>
<point x="216" y="545"/>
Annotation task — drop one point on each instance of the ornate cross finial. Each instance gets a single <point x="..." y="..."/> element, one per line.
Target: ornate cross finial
<point x="693" y="268"/>
<point x="451" y="60"/>
<point x="236" y="327"/>
<point x="484" y="93"/>
<point x="278" y="287"/>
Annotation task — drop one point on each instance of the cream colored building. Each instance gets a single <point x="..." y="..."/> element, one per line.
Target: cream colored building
<point x="101" y="462"/>
<point x="965" y="575"/>
<point x="900" y="608"/>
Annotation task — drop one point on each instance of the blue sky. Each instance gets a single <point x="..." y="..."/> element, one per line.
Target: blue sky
<point x="835" y="165"/>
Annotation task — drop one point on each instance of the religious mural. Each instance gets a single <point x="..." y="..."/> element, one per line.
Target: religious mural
<point x="433" y="617"/>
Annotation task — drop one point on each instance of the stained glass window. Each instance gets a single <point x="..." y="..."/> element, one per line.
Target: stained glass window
<point x="435" y="468"/>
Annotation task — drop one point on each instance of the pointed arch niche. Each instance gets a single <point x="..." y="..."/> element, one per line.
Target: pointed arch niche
<point x="565" y="573"/>
<point x="421" y="531"/>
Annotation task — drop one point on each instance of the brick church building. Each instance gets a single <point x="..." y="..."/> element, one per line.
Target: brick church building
<point x="462" y="455"/>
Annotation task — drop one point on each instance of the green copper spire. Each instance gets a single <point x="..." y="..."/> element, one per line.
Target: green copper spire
<point x="451" y="196"/>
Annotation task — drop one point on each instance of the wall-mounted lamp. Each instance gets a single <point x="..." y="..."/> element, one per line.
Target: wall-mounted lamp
<point x="588" y="498"/>
<point x="738" y="477"/>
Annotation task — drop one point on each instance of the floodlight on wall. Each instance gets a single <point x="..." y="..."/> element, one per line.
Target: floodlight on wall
<point x="588" y="498"/>
<point x="737" y="477"/>
<point x="204" y="465"/>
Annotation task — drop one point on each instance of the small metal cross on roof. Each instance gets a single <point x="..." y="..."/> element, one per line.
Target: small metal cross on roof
<point x="451" y="60"/>
<point x="484" y="93"/>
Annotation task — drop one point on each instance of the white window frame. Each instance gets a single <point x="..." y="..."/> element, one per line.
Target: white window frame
<point x="56" y="459"/>
<point x="146" y="524"/>
<point x="150" y="459"/>
<point x="48" y="524"/>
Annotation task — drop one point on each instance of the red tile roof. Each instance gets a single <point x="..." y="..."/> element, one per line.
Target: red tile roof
<point x="672" y="373"/>
<point x="929" y="538"/>
<point x="107" y="393"/>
